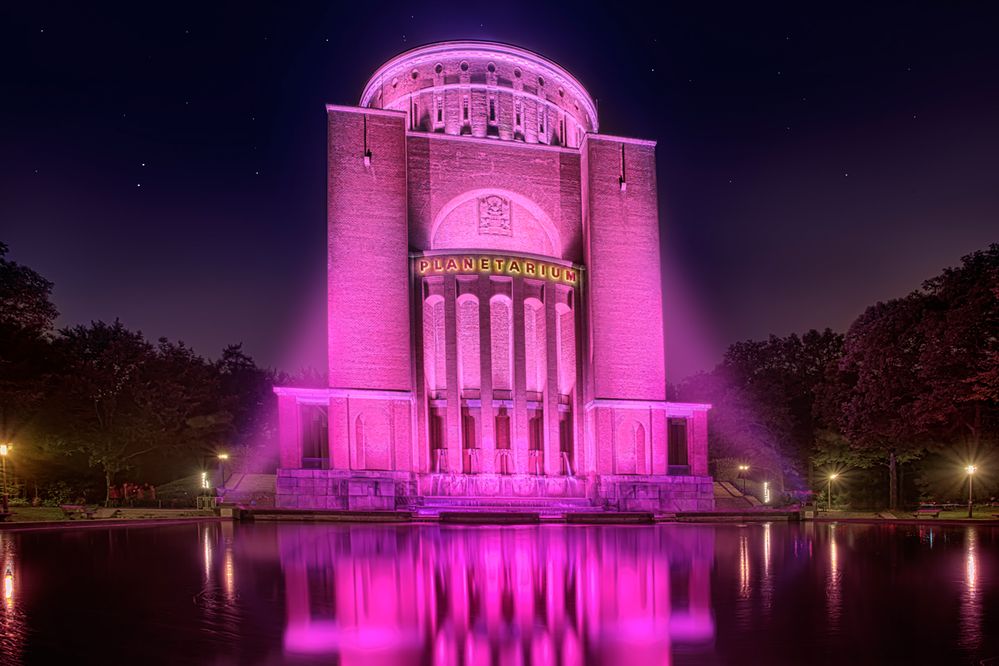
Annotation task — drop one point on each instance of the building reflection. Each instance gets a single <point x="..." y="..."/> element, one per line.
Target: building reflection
<point x="532" y="595"/>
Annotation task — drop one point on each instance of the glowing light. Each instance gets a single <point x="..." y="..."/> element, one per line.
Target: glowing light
<point x="834" y="600"/>
<point x="230" y="575"/>
<point x="8" y="586"/>
<point x="766" y="492"/>
<point x="223" y="456"/>
<point x="744" y="587"/>
<point x="971" y="634"/>
<point x="833" y="476"/>
<point x="5" y="449"/>
<point x="743" y="468"/>
<point x="204" y="481"/>
<point x="496" y="265"/>
<point x="971" y="469"/>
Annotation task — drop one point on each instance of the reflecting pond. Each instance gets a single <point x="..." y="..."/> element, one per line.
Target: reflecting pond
<point x="218" y="593"/>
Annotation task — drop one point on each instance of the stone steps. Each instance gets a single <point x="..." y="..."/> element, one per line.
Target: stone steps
<point x="438" y="505"/>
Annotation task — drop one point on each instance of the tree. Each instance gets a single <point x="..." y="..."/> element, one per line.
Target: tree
<point x="24" y="297"/>
<point x="763" y="394"/>
<point x="26" y="320"/>
<point x="876" y="385"/>
<point x="120" y="399"/>
<point x="247" y="395"/>
<point x="959" y="360"/>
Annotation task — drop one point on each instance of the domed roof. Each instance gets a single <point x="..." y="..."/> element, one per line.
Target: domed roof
<point x="492" y="65"/>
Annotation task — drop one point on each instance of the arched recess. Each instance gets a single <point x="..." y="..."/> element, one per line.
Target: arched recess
<point x="468" y="342"/>
<point x="359" y="442"/>
<point x="632" y="455"/>
<point x="434" y="350"/>
<point x="535" y="346"/>
<point x="641" y="450"/>
<point x="501" y="332"/>
<point x="528" y="228"/>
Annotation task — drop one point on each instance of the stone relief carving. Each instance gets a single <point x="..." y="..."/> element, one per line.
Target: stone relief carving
<point x="494" y="216"/>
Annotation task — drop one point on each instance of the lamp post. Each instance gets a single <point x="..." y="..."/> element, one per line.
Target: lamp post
<point x="832" y="477"/>
<point x="4" y="450"/>
<point x="222" y="458"/>
<point x="970" y="469"/>
<point x="742" y="475"/>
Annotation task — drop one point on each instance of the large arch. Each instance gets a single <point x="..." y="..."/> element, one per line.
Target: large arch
<point x="532" y="231"/>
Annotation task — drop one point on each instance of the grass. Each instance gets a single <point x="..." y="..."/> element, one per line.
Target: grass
<point x="53" y="514"/>
<point x="980" y="513"/>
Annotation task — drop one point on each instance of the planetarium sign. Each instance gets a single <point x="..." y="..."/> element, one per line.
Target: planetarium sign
<point x="513" y="266"/>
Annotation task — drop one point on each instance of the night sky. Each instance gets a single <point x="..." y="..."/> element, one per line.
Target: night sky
<point x="166" y="165"/>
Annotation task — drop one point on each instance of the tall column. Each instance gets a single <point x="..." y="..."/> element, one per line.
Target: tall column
<point x="519" y="435"/>
<point x="487" y="420"/>
<point x="553" y="454"/>
<point x="453" y="393"/>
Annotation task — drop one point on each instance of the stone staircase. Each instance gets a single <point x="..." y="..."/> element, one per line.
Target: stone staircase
<point x="251" y="490"/>
<point x="430" y="506"/>
<point x="730" y="498"/>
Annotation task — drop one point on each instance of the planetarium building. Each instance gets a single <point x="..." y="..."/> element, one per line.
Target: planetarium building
<point x="495" y="317"/>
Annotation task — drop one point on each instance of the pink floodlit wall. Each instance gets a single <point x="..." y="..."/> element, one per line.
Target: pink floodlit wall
<point x="495" y="314"/>
<point x="371" y="596"/>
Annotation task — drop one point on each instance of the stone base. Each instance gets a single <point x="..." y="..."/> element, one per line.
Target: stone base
<point x="389" y="491"/>
<point x="658" y="493"/>
<point x="501" y="485"/>
<point x="327" y="489"/>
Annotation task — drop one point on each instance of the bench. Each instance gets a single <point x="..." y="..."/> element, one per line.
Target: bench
<point x="927" y="511"/>
<point x="74" y="511"/>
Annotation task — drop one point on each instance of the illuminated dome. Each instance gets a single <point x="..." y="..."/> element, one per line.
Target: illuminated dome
<point x="484" y="89"/>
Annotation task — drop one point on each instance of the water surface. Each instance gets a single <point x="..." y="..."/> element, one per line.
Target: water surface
<point x="218" y="593"/>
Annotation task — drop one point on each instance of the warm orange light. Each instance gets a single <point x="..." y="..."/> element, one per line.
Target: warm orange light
<point x="971" y="469"/>
<point x="8" y="586"/>
<point x="833" y="476"/>
<point x="5" y="449"/>
<point x="223" y="456"/>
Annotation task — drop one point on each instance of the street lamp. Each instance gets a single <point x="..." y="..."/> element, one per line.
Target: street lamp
<point x="4" y="450"/>
<point x="222" y="458"/>
<point x="970" y="469"/>
<point x="832" y="477"/>
<point x="742" y="475"/>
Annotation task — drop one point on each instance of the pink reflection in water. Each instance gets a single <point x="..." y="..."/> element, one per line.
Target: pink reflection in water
<point x="373" y="596"/>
